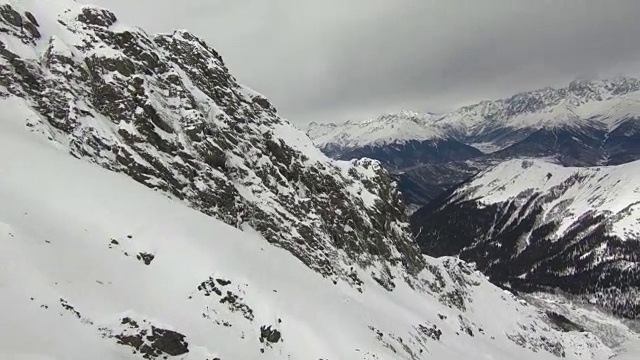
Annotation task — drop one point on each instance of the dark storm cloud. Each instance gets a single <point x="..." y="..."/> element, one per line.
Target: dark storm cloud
<point x="337" y="59"/>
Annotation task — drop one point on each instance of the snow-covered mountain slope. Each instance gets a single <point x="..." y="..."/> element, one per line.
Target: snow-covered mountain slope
<point x="538" y="225"/>
<point x="165" y="110"/>
<point x="96" y="265"/>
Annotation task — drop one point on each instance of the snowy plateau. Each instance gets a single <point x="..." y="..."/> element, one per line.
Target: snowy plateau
<point x="151" y="207"/>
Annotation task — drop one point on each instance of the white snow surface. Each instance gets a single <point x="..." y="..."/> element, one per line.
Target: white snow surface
<point x="60" y="216"/>
<point x="610" y="190"/>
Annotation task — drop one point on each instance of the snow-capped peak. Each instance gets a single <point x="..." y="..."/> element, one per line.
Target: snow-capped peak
<point x="580" y="103"/>
<point x="388" y="128"/>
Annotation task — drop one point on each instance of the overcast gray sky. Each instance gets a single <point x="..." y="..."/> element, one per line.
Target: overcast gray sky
<point x="334" y="60"/>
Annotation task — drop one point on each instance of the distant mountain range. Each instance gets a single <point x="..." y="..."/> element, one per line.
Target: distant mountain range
<point x="587" y="123"/>
<point x="539" y="190"/>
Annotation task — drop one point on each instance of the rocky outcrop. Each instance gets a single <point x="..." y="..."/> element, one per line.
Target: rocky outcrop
<point x="150" y="341"/>
<point x="165" y="110"/>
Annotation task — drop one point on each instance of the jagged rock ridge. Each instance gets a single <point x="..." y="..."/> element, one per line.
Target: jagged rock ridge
<point x="165" y="110"/>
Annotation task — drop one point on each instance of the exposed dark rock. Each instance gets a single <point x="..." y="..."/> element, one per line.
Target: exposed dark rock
<point x="167" y="341"/>
<point x="31" y="18"/>
<point x="233" y="301"/>
<point x="32" y="29"/>
<point x="431" y="331"/>
<point x="65" y="305"/>
<point x="235" y="304"/>
<point x="146" y="258"/>
<point x="151" y="341"/>
<point x="10" y="15"/>
<point x="223" y="282"/>
<point x="561" y="322"/>
<point x="465" y="326"/>
<point x="269" y="334"/>
<point x="535" y="343"/>
<point x="99" y="17"/>
<point x="208" y="287"/>
<point x="129" y="321"/>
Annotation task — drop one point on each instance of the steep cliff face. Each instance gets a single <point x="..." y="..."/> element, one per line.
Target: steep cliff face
<point x="165" y="110"/>
<point x="534" y="226"/>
